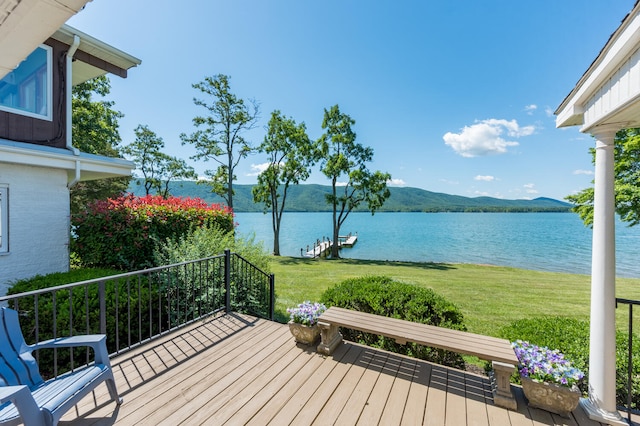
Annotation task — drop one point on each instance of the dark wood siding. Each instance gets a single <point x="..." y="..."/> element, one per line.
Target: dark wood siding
<point x="34" y="130"/>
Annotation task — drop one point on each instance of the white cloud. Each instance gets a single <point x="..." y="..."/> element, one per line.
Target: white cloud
<point x="548" y="111"/>
<point x="256" y="169"/>
<point x="485" y="137"/>
<point x="583" y="172"/>
<point x="396" y="182"/>
<point x="485" y="178"/>
<point x="487" y="194"/>
<point x="529" y="188"/>
<point x="530" y="109"/>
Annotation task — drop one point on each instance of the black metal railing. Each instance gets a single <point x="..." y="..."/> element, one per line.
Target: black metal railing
<point x="136" y="307"/>
<point x="629" y="407"/>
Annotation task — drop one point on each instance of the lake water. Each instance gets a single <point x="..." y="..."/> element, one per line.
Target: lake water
<point x="541" y="241"/>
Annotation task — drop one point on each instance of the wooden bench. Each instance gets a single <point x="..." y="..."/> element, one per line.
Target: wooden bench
<point x="498" y="351"/>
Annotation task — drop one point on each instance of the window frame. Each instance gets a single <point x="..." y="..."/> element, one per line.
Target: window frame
<point x="4" y="218"/>
<point x="49" y="90"/>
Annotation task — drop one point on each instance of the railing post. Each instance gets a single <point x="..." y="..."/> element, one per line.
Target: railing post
<point x="630" y="364"/>
<point x="227" y="280"/>
<point x="272" y="295"/>
<point x="103" y="307"/>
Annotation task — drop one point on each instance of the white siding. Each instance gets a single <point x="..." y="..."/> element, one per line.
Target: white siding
<point x="617" y="92"/>
<point x="38" y="222"/>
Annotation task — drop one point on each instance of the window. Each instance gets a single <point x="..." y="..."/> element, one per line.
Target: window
<point x="27" y="89"/>
<point x="4" y="218"/>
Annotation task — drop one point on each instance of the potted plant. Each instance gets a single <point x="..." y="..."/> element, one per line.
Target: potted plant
<point x="303" y="321"/>
<point x="549" y="381"/>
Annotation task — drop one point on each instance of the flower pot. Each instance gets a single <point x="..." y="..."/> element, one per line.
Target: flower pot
<point x="304" y="334"/>
<point x="551" y="397"/>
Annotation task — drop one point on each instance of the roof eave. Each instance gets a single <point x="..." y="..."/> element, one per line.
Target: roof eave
<point x="91" y="166"/>
<point x="25" y="24"/>
<point x="621" y="44"/>
<point x="97" y="48"/>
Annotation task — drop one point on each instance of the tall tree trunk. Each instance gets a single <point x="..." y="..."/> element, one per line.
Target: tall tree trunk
<point x="230" y="181"/>
<point x="275" y="217"/>
<point x="336" y="225"/>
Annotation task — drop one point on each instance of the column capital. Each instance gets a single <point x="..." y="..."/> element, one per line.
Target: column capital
<point x="606" y="133"/>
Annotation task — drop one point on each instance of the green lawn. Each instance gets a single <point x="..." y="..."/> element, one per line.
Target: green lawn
<point x="489" y="296"/>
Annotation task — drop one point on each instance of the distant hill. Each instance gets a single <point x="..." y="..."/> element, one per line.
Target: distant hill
<point x="311" y="198"/>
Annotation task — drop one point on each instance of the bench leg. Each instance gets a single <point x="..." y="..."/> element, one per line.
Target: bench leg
<point x="330" y="339"/>
<point x="502" y="394"/>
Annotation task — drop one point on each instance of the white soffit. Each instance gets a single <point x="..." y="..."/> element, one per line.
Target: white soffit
<point x="91" y="166"/>
<point x="622" y="44"/>
<point x="83" y="71"/>
<point x="25" y="24"/>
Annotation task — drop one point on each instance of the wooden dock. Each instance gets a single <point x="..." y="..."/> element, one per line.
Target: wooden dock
<point x="319" y="249"/>
<point x="348" y="240"/>
<point x="323" y="248"/>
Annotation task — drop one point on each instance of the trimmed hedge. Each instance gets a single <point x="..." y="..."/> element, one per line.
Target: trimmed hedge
<point x="571" y="337"/>
<point x="382" y="296"/>
<point x="122" y="233"/>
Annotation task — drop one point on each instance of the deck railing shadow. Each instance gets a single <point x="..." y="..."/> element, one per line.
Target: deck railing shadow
<point x="434" y="376"/>
<point x="137" y="368"/>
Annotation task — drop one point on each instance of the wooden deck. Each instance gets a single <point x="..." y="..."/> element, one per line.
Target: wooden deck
<point x="238" y="370"/>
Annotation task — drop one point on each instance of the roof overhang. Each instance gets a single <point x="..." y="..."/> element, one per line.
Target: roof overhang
<point x="608" y="91"/>
<point x="94" y="57"/>
<point x="90" y="166"/>
<point x="25" y="24"/>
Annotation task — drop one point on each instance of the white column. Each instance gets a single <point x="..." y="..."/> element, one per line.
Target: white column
<point x="601" y="404"/>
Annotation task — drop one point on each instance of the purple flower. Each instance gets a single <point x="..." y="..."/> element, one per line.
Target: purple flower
<point x="306" y="313"/>
<point x="542" y="364"/>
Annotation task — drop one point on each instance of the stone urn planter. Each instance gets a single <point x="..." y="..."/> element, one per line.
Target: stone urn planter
<point x="551" y="397"/>
<point x="305" y="334"/>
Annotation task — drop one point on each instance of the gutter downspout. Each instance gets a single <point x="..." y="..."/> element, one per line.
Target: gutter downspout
<point x="69" y="112"/>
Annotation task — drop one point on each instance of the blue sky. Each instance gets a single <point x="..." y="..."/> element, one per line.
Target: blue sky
<point x="453" y="96"/>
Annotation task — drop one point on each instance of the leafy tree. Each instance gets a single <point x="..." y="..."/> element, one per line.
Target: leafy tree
<point x="158" y="169"/>
<point x="627" y="181"/>
<point x="343" y="158"/>
<point x="172" y="169"/>
<point x="95" y="131"/>
<point x="220" y="135"/>
<point x="291" y="155"/>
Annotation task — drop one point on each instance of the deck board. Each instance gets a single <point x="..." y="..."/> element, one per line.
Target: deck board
<point x="236" y="370"/>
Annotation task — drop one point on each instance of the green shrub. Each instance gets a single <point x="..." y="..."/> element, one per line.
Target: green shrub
<point x="122" y="233"/>
<point x="206" y="242"/>
<point x="571" y="337"/>
<point x="383" y="296"/>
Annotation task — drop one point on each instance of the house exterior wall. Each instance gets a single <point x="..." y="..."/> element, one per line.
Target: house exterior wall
<point x="38" y="222"/>
<point x="35" y="130"/>
<point x="618" y="91"/>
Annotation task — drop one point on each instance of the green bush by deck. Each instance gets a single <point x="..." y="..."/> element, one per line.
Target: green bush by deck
<point x="382" y="296"/>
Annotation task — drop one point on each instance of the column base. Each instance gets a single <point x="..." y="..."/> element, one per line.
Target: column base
<point x="600" y="415"/>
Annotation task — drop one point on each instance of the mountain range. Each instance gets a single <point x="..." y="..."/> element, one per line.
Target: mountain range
<point x="311" y="198"/>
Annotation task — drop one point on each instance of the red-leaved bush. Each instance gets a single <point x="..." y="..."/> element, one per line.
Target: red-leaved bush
<point x="123" y="232"/>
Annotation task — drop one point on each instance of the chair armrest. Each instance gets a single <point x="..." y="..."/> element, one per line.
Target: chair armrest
<point x="97" y="342"/>
<point x="24" y="402"/>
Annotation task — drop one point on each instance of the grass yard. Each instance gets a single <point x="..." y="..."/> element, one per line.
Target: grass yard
<point x="489" y="296"/>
